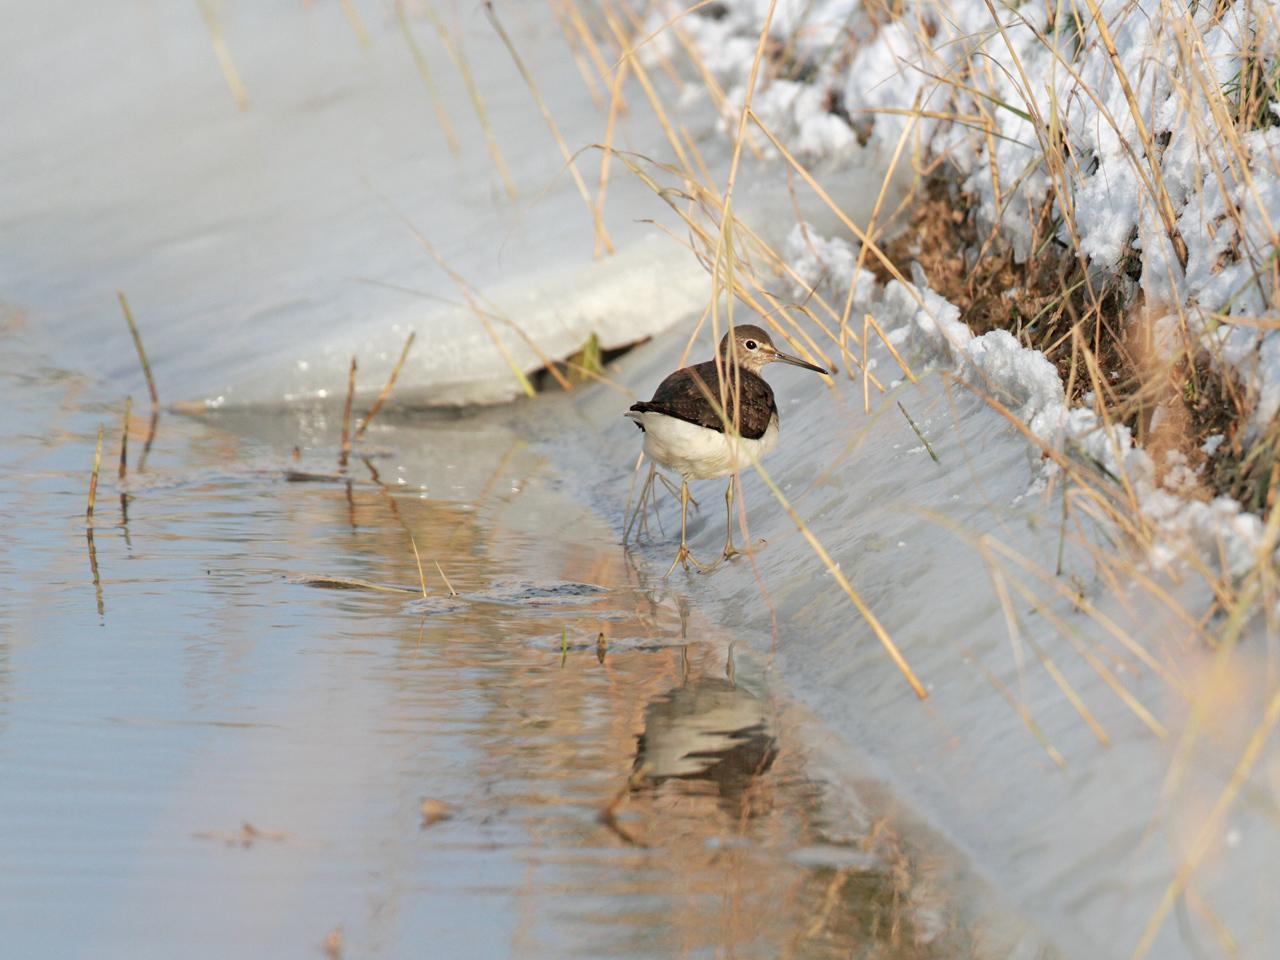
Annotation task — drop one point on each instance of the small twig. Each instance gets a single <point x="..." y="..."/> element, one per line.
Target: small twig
<point x="440" y="570"/>
<point x="93" y="480"/>
<point x="124" y="438"/>
<point x="477" y="101"/>
<point x="602" y="234"/>
<point x="357" y="25"/>
<point x="892" y="349"/>
<point x="151" y="435"/>
<point x="326" y="582"/>
<point x="1062" y="529"/>
<point x="422" y="577"/>
<point x="424" y="71"/>
<point x="142" y="354"/>
<point x="93" y="568"/>
<point x="918" y="433"/>
<point x="386" y="391"/>
<point x="223" y="54"/>
<point x="346" y="417"/>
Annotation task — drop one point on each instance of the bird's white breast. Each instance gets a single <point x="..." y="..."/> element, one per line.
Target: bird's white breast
<point x="698" y="453"/>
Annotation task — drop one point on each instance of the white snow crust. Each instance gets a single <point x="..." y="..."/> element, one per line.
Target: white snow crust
<point x="863" y="76"/>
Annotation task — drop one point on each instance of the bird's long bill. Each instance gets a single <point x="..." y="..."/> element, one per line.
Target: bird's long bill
<point x="796" y="361"/>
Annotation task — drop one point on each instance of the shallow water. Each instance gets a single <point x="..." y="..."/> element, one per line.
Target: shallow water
<point x="215" y="740"/>
<point x="209" y="749"/>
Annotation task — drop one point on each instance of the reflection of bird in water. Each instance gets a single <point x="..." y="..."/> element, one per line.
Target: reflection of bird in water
<point x="708" y="730"/>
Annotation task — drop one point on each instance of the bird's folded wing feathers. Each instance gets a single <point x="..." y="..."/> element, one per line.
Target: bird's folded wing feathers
<point x="683" y="395"/>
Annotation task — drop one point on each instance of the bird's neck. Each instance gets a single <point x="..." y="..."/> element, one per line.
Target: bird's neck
<point x="733" y="370"/>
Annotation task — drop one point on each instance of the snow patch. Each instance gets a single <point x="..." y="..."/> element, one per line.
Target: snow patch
<point x="856" y="76"/>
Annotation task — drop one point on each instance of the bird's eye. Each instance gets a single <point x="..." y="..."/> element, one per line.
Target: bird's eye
<point x="750" y="344"/>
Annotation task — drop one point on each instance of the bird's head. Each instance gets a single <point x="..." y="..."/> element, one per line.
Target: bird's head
<point x="751" y="348"/>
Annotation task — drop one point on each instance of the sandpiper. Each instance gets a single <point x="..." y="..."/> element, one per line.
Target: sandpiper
<point x="684" y="424"/>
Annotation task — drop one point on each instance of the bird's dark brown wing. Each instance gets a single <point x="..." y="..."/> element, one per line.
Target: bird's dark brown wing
<point x="683" y="395"/>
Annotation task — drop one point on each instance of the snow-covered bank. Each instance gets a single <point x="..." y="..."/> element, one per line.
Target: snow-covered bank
<point x="1111" y="141"/>
<point x="929" y="332"/>
<point x="1058" y="124"/>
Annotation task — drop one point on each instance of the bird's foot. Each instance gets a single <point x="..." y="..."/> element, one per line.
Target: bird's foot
<point x="730" y="551"/>
<point x="683" y="559"/>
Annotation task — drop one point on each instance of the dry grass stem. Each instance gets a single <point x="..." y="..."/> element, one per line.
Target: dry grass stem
<point x="611" y="123"/>
<point x="655" y="100"/>
<point x="142" y="353"/>
<point x="602" y="235"/>
<point x="916" y="430"/>
<point x="93" y="569"/>
<point x="428" y="80"/>
<point x="486" y="318"/>
<point x="417" y="558"/>
<point x="223" y="54"/>
<point x="1024" y="715"/>
<point x="356" y="24"/>
<point x="448" y="585"/>
<point x="460" y="63"/>
<point x="1212" y="826"/>
<point x="853" y="228"/>
<point x="93" y="478"/>
<point x="434" y="811"/>
<point x="345" y="454"/>
<point x="386" y="391"/>
<point x="584" y="36"/>
<point x="834" y="569"/>
<point x="579" y="60"/>
<point x="124" y="439"/>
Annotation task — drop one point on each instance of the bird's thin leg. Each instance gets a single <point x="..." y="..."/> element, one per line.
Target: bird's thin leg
<point x="676" y="493"/>
<point x="729" y="549"/>
<point x="683" y="556"/>
<point x="640" y="513"/>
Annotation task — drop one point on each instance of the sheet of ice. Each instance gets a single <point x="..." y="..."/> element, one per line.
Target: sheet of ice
<point x="126" y="166"/>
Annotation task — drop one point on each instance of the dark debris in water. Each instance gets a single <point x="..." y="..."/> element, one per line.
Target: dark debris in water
<point x="326" y="582"/>
<point x="245" y="837"/>
<point x="520" y="594"/>
<point x="426" y="606"/>
<point x="303" y="476"/>
<point x="601" y="645"/>
<point x="539" y="594"/>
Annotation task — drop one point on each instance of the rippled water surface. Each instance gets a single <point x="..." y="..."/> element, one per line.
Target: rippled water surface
<point x="218" y="741"/>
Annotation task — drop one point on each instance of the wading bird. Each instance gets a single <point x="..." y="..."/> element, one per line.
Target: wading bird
<point x="684" y="424"/>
